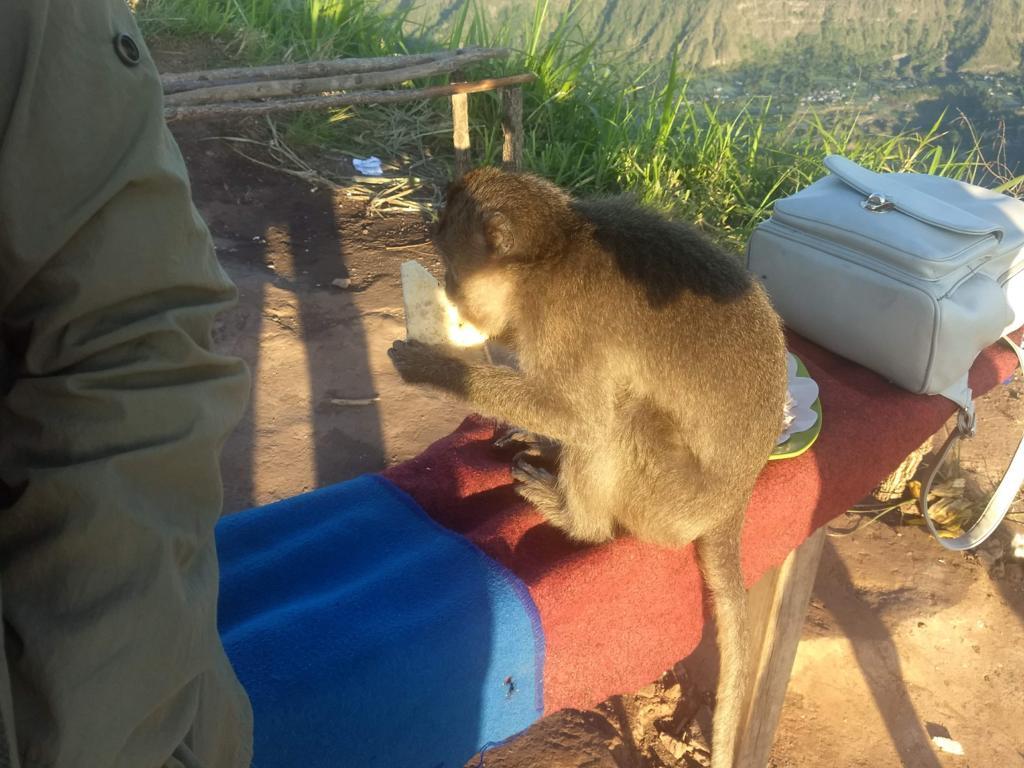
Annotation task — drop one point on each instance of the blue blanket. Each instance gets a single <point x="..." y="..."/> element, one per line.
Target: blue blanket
<point x="368" y="635"/>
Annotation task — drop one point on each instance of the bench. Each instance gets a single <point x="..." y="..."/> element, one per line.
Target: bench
<point x="416" y="616"/>
<point x="614" y="617"/>
<point x="250" y="91"/>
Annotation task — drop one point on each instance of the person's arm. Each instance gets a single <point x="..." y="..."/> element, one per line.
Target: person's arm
<point x="113" y="408"/>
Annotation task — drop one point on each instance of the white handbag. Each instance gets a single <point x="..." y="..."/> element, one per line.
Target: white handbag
<point x="910" y="275"/>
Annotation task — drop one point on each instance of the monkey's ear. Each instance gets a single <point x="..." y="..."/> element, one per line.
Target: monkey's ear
<point x="498" y="232"/>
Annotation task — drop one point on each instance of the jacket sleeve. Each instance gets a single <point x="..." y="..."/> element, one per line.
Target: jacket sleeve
<point x="113" y="408"/>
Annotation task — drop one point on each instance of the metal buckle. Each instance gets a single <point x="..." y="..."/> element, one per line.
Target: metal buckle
<point x="966" y="422"/>
<point x="876" y="202"/>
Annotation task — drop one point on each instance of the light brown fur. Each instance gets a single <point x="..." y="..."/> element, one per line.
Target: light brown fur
<point x="644" y="351"/>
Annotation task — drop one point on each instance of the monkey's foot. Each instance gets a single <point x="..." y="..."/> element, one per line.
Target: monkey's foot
<point x="536" y="484"/>
<point x="526" y="471"/>
<point x="516" y="436"/>
<point x="543" y="449"/>
<point x="540" y="488"/>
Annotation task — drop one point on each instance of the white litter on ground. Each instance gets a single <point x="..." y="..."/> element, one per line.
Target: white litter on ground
<point x="368" y="167"/>
<point x="947" y="745"/>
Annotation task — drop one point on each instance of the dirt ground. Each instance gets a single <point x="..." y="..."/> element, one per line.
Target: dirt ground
<point x="903" y="640"/>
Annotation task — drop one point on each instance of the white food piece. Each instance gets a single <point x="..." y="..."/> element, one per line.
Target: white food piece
<point x="788" y="414"/>
<point x="798" y="414"/>
<point x="948" y="745"/>
<point x="429" y="316"/>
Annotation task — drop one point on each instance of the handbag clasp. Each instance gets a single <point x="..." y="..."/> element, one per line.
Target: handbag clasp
<point x="876" y="202"/>
<point x="966" y="421"/>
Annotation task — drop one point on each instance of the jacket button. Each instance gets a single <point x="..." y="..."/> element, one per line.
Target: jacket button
<point x="127" y="49"/>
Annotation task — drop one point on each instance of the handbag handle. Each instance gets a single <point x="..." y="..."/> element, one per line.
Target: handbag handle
<point x="1001" y="499"/>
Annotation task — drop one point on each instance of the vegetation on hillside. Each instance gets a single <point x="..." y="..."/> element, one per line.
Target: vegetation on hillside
<point x="885" y="35"/>
<point x="592" y="123"/>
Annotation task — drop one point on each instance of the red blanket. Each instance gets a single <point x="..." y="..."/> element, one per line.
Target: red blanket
<point x="615" y="616"/>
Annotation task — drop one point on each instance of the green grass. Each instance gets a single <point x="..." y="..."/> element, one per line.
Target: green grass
<point x="257" y="31"/>
<point x="595" y="126"/>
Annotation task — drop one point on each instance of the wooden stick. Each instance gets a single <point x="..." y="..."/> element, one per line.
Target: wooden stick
<point x="188" y="81"/>
<point x="778" y="606"/>
<point x="185" y="81"/>
<point x="460" y="127"/>
<point x="288" y="88"/>
<point x="460" y="132"/>
<point x="249" y="108"/>
<point x="512" y="127"/>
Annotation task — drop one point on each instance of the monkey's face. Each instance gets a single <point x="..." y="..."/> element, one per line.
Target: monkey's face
<point x="473" y="241"/>
<point x="494" y="227"/>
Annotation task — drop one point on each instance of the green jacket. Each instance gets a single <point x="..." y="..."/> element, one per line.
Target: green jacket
<point x="113" y="410"/>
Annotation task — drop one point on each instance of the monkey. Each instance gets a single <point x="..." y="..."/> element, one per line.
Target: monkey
<point x="647" y="357"/>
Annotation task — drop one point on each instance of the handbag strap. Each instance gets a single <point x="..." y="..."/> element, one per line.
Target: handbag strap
<point x="1001" y="499"/>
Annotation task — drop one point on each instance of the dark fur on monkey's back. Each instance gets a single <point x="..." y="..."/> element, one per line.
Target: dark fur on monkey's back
<point x="665" y="257"/>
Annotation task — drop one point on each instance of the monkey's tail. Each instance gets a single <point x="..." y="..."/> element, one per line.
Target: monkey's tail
<point x="719" y="553"/>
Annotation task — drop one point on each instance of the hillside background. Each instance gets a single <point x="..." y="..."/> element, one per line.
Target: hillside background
<point x="919" y="35"/>
<point x="891" y="66"/>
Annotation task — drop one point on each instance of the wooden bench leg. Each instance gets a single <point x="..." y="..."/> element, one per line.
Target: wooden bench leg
<point x="778" y="606"/>
<point x="512" y="127"/>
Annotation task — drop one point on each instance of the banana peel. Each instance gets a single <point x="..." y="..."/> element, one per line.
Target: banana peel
<point x="948" y="507"/>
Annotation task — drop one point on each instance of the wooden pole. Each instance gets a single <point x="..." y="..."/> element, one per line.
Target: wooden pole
<point x="174" y="113"/>
<point x="512" y="127"/>
<point x="289" y="88"/>
<point x="186" y="81"/>
<point x="460" y="129"/>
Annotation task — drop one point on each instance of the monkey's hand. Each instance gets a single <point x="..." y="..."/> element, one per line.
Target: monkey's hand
<point x="419" y="363"/>
<point x="503" y="393"/>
